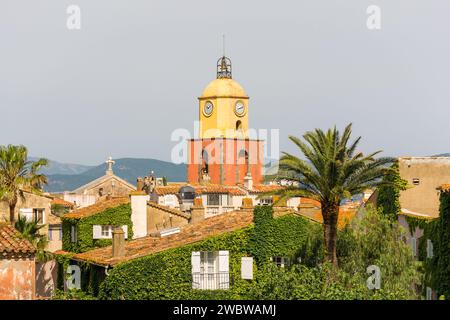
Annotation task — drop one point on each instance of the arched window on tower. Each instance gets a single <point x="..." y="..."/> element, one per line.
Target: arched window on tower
<point x="238" y="125"/>
<point x="243" y="165"/>
<point x="204" y="167"/>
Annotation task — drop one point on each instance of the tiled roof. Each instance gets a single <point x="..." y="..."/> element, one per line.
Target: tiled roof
<point x="261" y="188"/>
<point x="62" y="202"/>
<point x="191" y="233"/>
<point x="169" y="210"/>
<point x="444" y="187"/>
<point x="201" y="189"/>
<point x="314" y="212"/>
<point x="98" y="207"/>
<point x="12" y="242"/>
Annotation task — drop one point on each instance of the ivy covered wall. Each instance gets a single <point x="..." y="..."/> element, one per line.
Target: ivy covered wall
<point x="167" y="275"/>
<point x="117" y="216"/>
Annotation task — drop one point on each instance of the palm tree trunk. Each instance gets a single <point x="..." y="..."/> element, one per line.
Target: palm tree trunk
<point x="330" y="213"/>
<point x="12" y="209"/>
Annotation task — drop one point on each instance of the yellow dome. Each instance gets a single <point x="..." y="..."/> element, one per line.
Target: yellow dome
<point x="224" y="87"/>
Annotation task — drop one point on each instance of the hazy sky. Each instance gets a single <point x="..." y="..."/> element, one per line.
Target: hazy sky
<point x="132" y="74"/>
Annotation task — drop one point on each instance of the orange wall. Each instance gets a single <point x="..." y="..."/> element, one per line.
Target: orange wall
<point x="222" y="154"/>
<point x="17" y="278"/>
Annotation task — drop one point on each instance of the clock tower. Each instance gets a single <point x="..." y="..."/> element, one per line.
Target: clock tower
<point x="223" y="106"/>
<point x="224" y="152"/>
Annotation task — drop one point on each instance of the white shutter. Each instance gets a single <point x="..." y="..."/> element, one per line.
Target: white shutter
<point x="96" y="232"/>
<point x="224" y="268"/>
<point x="73" y="234"/>
<point x="429" y="294"/>
<point x="247" y="268"/>
<point x="223" y="261"/>
<point x="429" y="249"/>
<point x="195" y="262"/>
<point x="27" y="213"/>
<point x="413" y="246"/>
<point x="125" y="230"/>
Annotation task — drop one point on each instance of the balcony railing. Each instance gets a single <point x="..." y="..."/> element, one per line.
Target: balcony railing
<point x="211" y="281"/>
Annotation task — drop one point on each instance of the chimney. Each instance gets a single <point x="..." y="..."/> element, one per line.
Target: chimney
<point x="197" y="211"/>
<point x="139" y="201"/>
<point x="118" y="242"/>
<point x="248" y="181"/>
<point x="139" y="184"/>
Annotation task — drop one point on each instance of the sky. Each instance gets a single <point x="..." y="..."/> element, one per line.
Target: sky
<point x="131" y="75"/>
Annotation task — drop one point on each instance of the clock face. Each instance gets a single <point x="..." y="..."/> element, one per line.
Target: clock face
<point x="208" y="108"/>
<point x="239" y="109"/>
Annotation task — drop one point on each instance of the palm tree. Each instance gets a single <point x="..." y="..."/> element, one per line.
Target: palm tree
<point x="31" y="231"/>
<point x="332" y="171"/>
<point x="17" y="173"/>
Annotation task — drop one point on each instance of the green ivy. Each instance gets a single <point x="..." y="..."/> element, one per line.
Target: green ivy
<point x="167" y="275"/>
<point x="388" y="200"/>
<point x="118" y="216"/>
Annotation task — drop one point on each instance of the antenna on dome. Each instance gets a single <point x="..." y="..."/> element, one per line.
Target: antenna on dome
<point x="223" y="64"/>
<point x="223" y="44"/>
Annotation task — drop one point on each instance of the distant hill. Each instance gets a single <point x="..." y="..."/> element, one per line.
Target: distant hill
<point x="442" y="155"/>
<point x="55" y="167"/>
<point x="126" y="168"/>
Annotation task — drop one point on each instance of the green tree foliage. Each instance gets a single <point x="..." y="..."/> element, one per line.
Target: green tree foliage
<point x="333" y="170"/>
<point x="389" y="192"/>
<point x="370" y="240"/>
<point x="17" y="174"/>
<point x="30" y="230"/>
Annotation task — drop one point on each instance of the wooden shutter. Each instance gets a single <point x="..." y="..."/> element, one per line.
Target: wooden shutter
<point x="125" y="230"/>
<point x="96" y="232"/>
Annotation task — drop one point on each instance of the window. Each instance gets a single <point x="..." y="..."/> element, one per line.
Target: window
<point x="50" y="234"/>
<point x="214" y="199"/>
<point x="210" y="270"/>
<point x="73" y="234"/>
<point x="280" y="261"/>
<point x="429" y="249"/>
<point x="60" y="234"/>
<point x="266" y="201"/>
<point x="416" y="181"/>
<point x="107" y="231"/>
<point x="38" y="216"/>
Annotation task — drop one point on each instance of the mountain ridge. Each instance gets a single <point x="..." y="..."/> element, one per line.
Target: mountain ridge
<point x="126" y="168"/>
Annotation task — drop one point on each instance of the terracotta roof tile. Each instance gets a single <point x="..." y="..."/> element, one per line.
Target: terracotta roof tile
<point x="191" y="233"/>
<point x="444" y="187"/>
<point x="12" y="242"/>
<point x="314" y="212"/>
<point x="170" y="210"/>
<point x="98" y="207"/>
<point x="261" y="188"/>
<point x="62" y="202"/>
